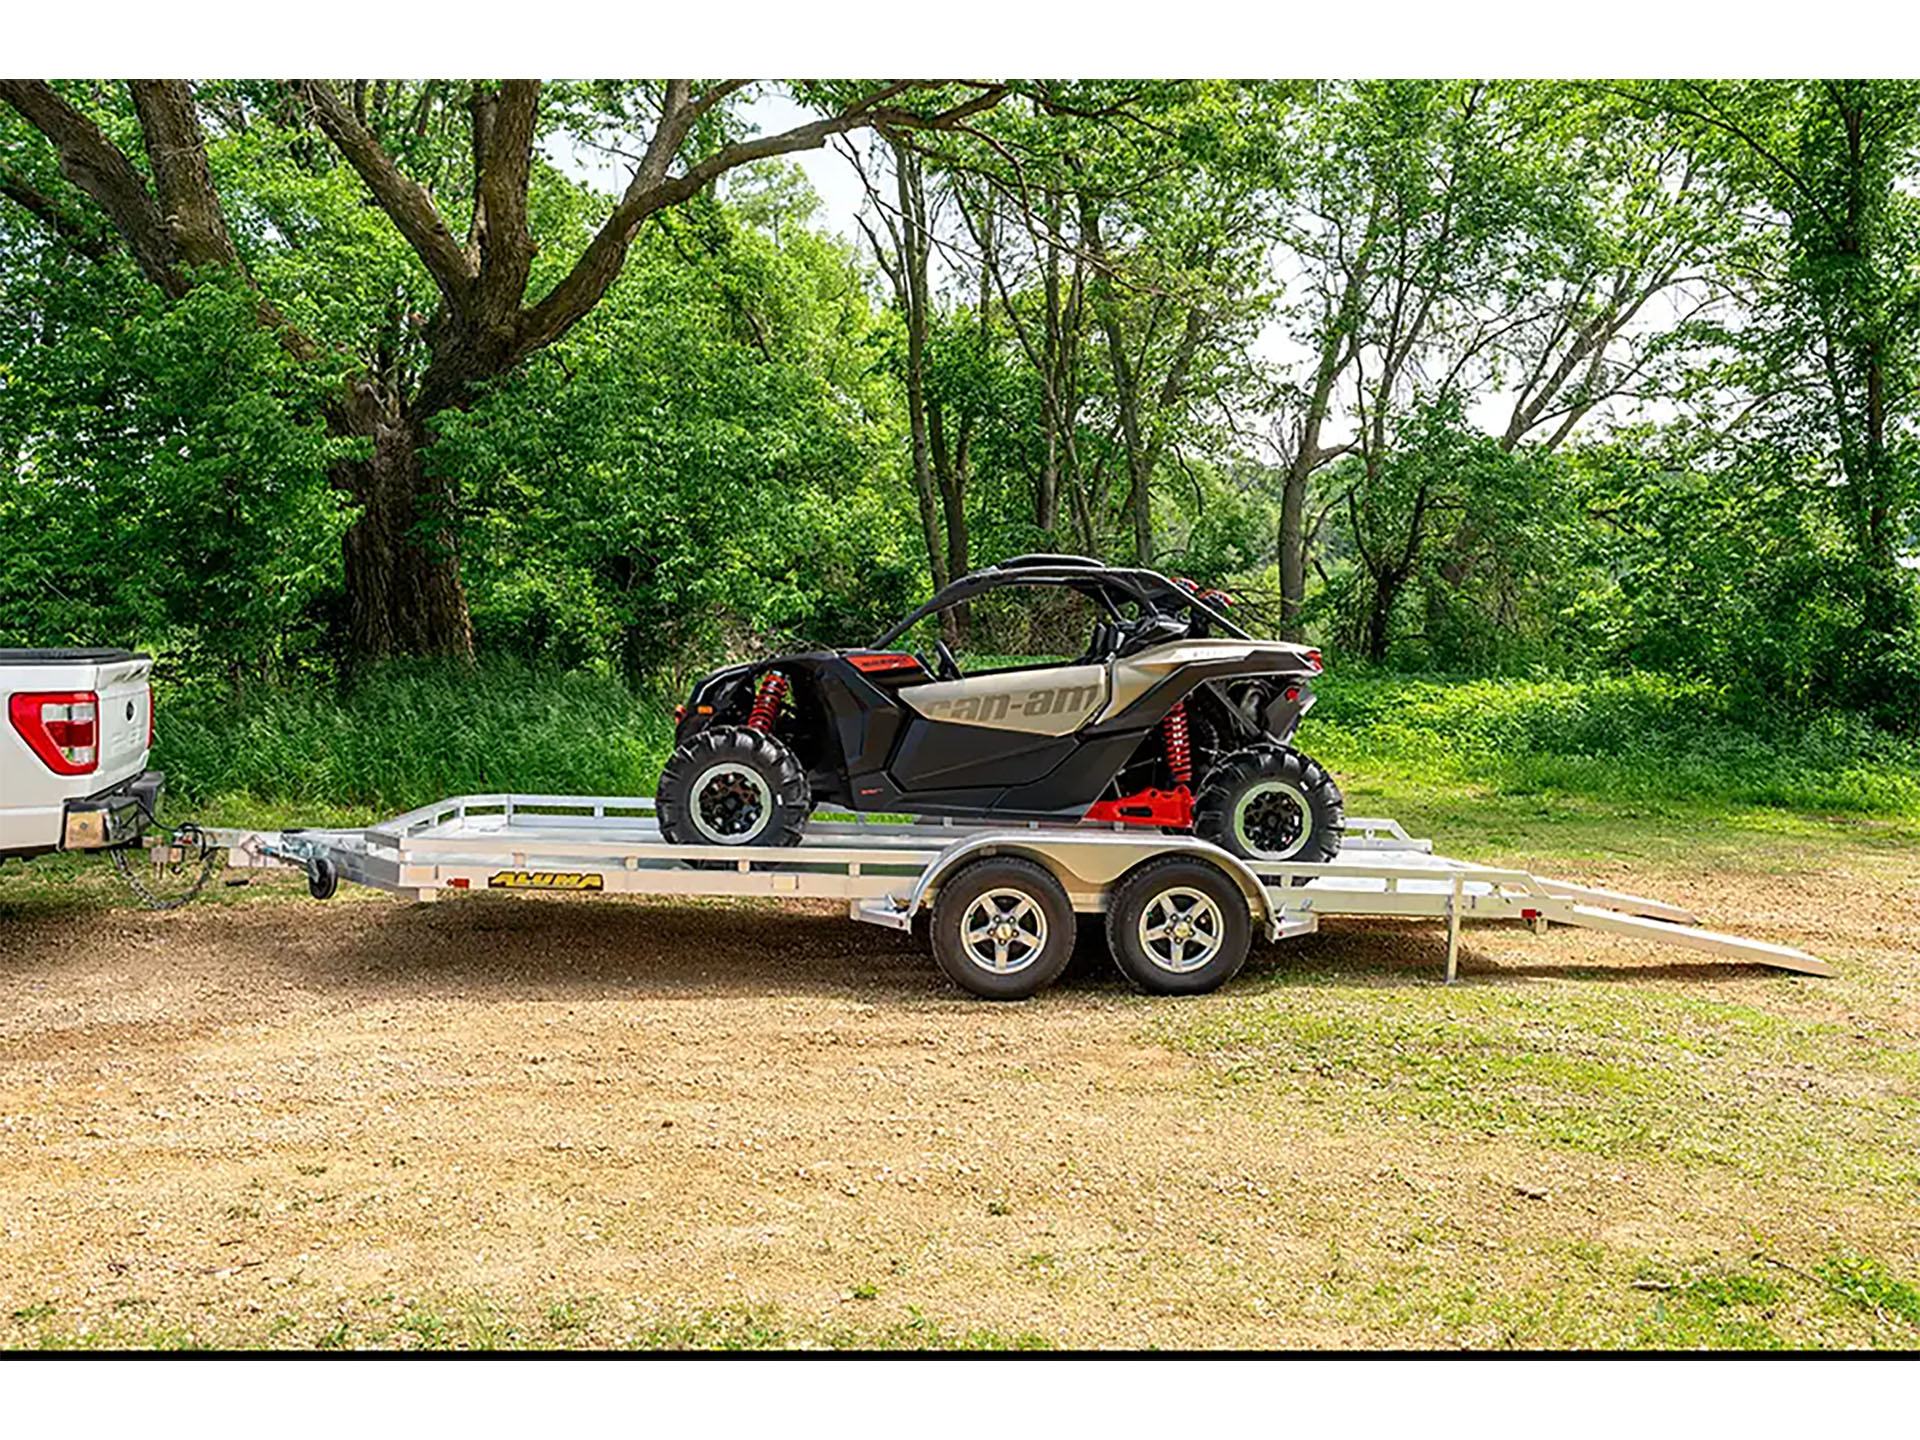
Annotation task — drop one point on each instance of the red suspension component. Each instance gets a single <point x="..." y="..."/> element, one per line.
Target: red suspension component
<point x="766" y="702"/>
<point x="1164" y="809"/>
<point x="1179" y="744"/>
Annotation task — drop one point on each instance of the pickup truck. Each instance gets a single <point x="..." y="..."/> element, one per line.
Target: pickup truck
<point x="74" y="749"/>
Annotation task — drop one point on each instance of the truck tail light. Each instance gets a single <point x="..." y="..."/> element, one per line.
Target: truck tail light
<point x="61" y="727"/>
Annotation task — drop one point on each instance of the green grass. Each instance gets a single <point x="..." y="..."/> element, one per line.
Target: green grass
<point x="1648" y="741"/>
<point x="1650" y="1074"/>
<point x="406" y="735"/>
<point x="409" y="734"/>
<point x="1600" y="1297"/>
<point x="474" y="1322"/>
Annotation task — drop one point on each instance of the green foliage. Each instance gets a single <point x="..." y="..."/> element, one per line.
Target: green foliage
<point x="700" y="462"/>
<point x="167" y="483"/>
<point x="1640" y="739"/>
<point x="405" y="735"/>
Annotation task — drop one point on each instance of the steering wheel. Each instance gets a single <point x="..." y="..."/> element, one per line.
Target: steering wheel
<point x="949" y="667"/>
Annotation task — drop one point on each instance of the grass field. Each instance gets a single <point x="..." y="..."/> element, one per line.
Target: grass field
<point x="410" y="735"/>
<point x="1582" y="1144"/>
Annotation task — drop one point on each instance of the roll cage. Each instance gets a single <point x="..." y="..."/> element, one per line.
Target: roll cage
<point x="1109" y="585"/>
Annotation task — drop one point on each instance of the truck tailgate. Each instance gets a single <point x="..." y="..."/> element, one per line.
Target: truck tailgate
<point x="126" y="717"/>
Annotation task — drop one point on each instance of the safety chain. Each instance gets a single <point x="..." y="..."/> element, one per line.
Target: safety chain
<point x="180" y="839"/>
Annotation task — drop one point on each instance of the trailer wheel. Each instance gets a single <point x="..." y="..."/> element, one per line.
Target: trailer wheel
<point x="1178" y="926"/>
<point x="1002" y="928"/>
<point x="323" y="878"/>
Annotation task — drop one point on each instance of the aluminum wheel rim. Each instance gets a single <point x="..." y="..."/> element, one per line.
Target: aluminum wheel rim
<point x="1264" y="805"/>
<point x="1004" y="931"/>
<point x="1181" y="929"/>
<point x="731" y="804"/>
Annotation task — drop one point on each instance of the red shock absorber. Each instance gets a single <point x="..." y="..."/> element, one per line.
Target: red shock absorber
<point x="1179" y="744"/>
<point x="766" y="702"/>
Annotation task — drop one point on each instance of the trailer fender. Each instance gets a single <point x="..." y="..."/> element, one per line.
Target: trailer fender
<point x="1090" y="866"/>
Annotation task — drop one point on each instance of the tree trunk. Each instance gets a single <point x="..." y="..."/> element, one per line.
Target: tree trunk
<point x="1336" y="352"/>
<point x="1126" y="399"/>
<point x="1386" y="590"/>
<point x="950" y="477"/>
<point x="404" y="593"/>
<point x="914" y="302"/>
<point x="1046" y="499"/>
<point x="1293" y="550"/>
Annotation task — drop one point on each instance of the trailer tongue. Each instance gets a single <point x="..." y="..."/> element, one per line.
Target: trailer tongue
<point x="1176" y="930"/>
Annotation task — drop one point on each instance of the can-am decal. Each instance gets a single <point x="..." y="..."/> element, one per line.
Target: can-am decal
<point x="545" y="880"/>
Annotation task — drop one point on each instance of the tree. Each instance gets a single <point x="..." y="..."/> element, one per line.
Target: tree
<point x="905" y="258"/>
<point x="1829" y="370"/>
<point x="405" y="593"/>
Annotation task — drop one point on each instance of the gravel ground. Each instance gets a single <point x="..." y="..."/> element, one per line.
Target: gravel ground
<point x="561" y="1121"/>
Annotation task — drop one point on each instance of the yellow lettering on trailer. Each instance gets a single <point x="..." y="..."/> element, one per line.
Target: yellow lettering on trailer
<point x="545" y="880"/>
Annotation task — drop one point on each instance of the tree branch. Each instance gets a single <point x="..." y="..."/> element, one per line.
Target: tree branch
<point x="500" y="210"/>
<point x="98" y="167"/>
<point x="651" y="189"/>
<point x="177" y="150"/>
<point x="69" y="228"/>
<point x="405" y="202"/>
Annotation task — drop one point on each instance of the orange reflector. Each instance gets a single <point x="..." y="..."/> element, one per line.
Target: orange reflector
<point x="880" y="664"/>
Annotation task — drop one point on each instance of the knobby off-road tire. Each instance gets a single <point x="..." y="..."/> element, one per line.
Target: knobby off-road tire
<point x="1002" y="928"/>
<point x="1271" y="803"/>
<point x="1179" y="926"/>
<point x="732" y="786"/>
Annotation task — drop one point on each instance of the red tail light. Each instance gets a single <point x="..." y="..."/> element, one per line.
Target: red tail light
<point x="61" y="727"/>
<point x="150" y="705"/>
<point x="1313" y="659"/>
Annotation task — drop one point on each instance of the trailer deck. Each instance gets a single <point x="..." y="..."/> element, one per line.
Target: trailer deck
<point x="889" y="872"/>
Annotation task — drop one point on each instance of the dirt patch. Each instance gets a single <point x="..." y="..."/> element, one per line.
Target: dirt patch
<point x="582" y="1122"/>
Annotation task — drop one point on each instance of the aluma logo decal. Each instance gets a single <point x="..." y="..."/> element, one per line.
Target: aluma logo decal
<point x="544" y="880"/>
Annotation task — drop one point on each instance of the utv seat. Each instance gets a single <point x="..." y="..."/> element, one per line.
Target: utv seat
<point x="1101" y="645"/>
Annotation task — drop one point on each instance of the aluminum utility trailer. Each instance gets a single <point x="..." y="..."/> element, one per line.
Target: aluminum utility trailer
<point x="999" y="899"/>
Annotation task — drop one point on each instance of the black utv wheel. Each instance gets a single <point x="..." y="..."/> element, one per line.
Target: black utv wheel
<point x="1271" y="803"/>
<point x="733" y="786"/>
<point x="1002" y="928"/>
<point x="1179" y="926"/>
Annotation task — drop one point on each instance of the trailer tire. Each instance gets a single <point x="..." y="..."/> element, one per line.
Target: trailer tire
<point x="1179" y="926"/>
<point x="323" y="878"/>
<point x="729" y="785"/>
<point x="1002" y="928"/>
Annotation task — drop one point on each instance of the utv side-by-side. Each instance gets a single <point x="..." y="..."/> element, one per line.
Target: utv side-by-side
<point x="1173" y="717"/>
